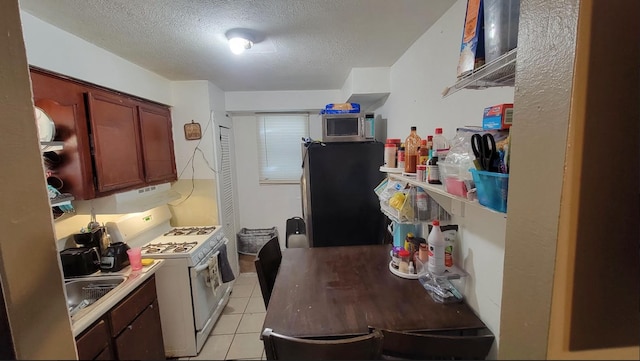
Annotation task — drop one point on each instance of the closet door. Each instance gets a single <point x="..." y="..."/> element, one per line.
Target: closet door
<point x="225" y="190"/>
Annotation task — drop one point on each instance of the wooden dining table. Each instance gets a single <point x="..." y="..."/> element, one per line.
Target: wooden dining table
<point x="342" y="291"/>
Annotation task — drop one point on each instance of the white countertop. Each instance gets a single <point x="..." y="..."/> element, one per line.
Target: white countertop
<point x="84" y="318"/>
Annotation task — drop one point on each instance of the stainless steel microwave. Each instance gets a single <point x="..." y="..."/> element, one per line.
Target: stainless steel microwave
<point x="347" y="127"/>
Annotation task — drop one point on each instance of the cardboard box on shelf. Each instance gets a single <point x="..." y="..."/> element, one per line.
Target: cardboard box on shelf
<point x="472" y="48"/>
<point x="497" y="117"/>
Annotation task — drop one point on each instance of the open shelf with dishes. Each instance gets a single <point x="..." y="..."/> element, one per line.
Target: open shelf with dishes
<point x="499" y="72"/>
<point x="51" y="146"/>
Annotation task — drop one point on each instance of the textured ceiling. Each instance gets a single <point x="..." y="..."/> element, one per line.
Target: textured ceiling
<point x="305" y="44"/>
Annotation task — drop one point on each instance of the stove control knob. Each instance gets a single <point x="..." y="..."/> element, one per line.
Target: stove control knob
<point x="200" y="255"/>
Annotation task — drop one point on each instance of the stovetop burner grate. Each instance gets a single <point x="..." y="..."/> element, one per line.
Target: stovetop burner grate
<point x="168" y="247"/>
<point x="187" y="231"/>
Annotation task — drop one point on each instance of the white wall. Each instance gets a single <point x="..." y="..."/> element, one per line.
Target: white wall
<point x="264" y="205"/>
<point x="54" y="49"/>
<point x="194" y="158"/>
<point x="417" y="81"/>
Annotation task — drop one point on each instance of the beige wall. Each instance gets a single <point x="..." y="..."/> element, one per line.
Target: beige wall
<point x="594" y="312"/>
<point x="566" y="188"/>
<point x="29" y="267"/>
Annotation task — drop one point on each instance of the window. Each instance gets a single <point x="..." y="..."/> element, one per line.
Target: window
<point x="279" y="146"/>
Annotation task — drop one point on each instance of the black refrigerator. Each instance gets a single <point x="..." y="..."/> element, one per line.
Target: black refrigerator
<point x="339" y="204"/>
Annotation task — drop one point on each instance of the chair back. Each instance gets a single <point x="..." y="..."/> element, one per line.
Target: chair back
<point x="281" y="347"/>
<point x="267" y="263"/>
<point x="429" y="346"/>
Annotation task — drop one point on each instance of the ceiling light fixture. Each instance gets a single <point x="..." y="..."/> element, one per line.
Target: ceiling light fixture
<point x="239" y="41"/>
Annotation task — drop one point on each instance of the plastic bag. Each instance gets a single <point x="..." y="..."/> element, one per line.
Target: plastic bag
<point x="461" y="153"/>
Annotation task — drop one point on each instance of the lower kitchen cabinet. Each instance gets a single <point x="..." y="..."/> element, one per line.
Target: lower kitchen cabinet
<point x="95" y="343"/>
<point x="131" y="330"/>
<point x="142" y="339"/>
<point x="135" y="325"/>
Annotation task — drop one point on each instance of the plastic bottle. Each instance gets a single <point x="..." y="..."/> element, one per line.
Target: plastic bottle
<point x="429" y="142"/>
<point x="411" y="269"/>
<point x="401" y="157"/>
<point x="423" y="152"/>
<point x="390" y="155"/>
<point x="436" y="249"/>
<point x="411" y="145"/>
<point x="433" y="172"/>
<point x="440" y="144"/>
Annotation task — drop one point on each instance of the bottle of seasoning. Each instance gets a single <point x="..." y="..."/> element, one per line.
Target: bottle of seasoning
<point x="401" y="157"/>
<point x="421" y="173"/>
<point x="395" y="257"/>
<point x="440" y="144"/>
<point x="408" y="243"/>
<point x="429" y="142"/>
<point x="433" y="173"/>
<point x="404" y="261"/>
<point x="423" y="253"/>
<point x="423" y="152"/>
<point x="411" y="145"/>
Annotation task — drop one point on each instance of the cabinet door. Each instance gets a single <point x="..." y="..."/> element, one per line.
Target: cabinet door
<point x="116" y="143"/>
<point x="94" y="342"/>
<point x="64" y="101"/>
<point x="157" y="143"/>
<point x="142" y="339"/>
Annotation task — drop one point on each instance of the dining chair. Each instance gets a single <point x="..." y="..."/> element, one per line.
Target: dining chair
<point x="281" y="347"/>
<point x="399" y="345"/>
<point x="267" y="263"/>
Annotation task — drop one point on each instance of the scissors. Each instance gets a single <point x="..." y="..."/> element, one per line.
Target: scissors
<point x="484" y="148"/>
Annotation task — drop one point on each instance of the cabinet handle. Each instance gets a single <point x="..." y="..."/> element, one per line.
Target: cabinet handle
<point x="151" y="306"/>
<point x="130" y="327"/>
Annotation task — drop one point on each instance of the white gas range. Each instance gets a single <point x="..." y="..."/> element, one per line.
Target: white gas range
<point x="191" y="292"/>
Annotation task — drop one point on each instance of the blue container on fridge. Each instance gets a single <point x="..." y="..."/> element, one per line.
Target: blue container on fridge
<point x="492" y="189"/>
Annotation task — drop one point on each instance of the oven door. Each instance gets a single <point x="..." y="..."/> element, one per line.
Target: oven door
<point x="206" y="288"/>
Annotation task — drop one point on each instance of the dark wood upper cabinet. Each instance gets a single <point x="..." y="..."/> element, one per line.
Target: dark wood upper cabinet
<point x="113" y="142"/>
<point x="115" y="133"/>
<point x="157" y="143"/>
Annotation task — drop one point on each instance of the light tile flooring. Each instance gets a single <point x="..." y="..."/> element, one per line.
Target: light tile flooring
<point x="236" y="335"/>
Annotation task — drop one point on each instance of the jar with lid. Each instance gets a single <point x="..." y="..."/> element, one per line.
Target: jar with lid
<point x="411" y="145"/>
<point x="404" y="261"/>
<point x="390" y="155"/>
<point x="395" y="257"/>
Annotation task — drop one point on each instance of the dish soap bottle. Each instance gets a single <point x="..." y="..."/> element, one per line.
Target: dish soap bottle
<point x="436" y="249"/>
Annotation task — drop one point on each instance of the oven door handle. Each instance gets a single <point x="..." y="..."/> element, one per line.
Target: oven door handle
<point x="205" y="265"/>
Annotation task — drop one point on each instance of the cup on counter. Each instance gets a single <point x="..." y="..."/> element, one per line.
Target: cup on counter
<point x="135" y="258"/>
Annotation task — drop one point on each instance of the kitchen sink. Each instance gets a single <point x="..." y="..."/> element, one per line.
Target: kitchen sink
<point x="82" y="293"/>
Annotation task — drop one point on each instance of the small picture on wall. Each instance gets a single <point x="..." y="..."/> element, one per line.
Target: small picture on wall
<point x="192" y="131"/>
